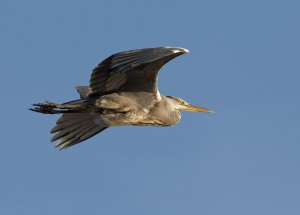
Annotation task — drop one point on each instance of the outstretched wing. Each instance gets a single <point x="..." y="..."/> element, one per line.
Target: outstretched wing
<point x="132" y="71"/>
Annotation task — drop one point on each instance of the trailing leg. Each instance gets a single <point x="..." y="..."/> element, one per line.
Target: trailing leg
<point x="53" y="108"/>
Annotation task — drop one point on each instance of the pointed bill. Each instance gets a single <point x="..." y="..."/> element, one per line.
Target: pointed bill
<point x="197" y="109"/>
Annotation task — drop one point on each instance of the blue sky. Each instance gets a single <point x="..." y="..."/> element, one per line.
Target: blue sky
<point x="243" y="63"/>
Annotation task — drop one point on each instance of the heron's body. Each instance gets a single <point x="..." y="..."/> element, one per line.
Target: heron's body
<point x="123" y="91"/>
<point x="126" y="108"/>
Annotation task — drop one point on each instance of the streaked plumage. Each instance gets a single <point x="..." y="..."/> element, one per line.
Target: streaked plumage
<point x="123" y="91"/>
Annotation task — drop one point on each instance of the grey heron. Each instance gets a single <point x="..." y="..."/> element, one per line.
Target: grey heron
<point x="123" y="91"/>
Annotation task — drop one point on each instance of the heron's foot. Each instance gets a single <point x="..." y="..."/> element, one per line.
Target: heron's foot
<point x="48" y="104"/>
<point x="46" y="108"/>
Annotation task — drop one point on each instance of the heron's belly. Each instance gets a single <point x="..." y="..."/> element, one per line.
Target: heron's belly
<point x="137" y="118"/>
<point x="114" y="118"/>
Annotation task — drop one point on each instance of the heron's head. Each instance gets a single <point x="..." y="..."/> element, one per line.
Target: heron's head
<point x="180" y="105"/>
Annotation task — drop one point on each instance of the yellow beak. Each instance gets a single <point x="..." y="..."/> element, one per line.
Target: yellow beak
<point x="197" y="109"/>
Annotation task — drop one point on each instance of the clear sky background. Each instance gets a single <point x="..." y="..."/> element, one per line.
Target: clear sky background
<point x="243" y="63"/>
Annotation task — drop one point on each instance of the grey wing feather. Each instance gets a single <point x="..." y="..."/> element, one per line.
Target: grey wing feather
<point x="132" y="71"/>
<point x="73" y="128"/>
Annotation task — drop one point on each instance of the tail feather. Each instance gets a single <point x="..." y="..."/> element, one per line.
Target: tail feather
<point x="74" y="128"/>
<point x="84" y="91"/>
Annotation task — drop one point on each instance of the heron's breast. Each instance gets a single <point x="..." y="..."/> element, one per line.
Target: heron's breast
<point x="163" y="117"/>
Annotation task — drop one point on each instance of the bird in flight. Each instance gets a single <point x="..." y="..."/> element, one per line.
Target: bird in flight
<point x="123" y="91"/>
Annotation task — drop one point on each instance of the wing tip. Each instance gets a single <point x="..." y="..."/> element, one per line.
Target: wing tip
<point x="177" y="49"/>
